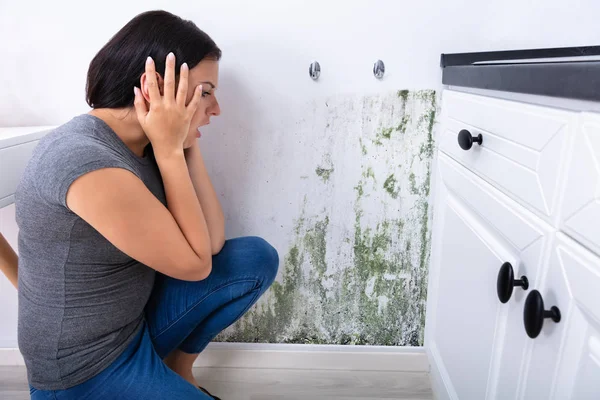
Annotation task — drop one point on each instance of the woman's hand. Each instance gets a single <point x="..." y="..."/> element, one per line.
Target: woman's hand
<point x="8" y="261"/>
<point x="168" y="121"/>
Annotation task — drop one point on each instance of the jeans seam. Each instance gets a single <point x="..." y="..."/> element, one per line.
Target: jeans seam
<point x="180" y="317"/>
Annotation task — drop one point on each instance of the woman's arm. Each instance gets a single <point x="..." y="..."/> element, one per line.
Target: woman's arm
<point x="173" y="240"/>
<point x="8" y="261"/>
<point x="207" y="197"/>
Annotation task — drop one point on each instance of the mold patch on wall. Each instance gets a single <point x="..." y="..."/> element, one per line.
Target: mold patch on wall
<point x="355" y="270"/>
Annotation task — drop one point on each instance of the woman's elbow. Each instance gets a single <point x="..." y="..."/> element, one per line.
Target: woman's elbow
<point x="199" y="272"/>
<point x="217" y="245"/>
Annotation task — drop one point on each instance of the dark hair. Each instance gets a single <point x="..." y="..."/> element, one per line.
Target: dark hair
<point x="118" y="66"/>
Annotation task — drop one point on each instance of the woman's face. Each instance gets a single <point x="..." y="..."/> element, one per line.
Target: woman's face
<point x="206" y="73"/>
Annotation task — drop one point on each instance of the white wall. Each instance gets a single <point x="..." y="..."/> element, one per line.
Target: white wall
<point x="264" y="89"/>
<point x="46" y="48"/>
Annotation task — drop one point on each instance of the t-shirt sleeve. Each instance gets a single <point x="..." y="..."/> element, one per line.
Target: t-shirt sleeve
<point x="64" y="161"/>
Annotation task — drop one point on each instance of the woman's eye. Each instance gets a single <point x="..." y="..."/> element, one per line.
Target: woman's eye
<point x="204" y="94"/>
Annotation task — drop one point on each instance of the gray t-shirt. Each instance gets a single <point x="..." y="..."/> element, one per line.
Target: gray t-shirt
<point x="81" y="300"/>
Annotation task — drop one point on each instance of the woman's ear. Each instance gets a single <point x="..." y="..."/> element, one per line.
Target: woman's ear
<point x="144" y="85"/>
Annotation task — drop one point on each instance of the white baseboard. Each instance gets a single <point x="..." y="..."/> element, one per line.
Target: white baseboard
<point x="295" y="356"/>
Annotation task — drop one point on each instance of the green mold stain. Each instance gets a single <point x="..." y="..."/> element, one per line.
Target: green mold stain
<point x="324" y="173"/>
<point x="413" y="184"/>
<point x="363" y="147"/>
<point x="373" y="258"/>
<point x="369" y="174"/>
<point x="403" y="94"/>
<point x="359" y="188"/>
<point x="379" y="297"/>
<point x="402" y="126"/>
<point x="390" y="186"/>
<point x="266" y="323"/>
<point x="315" y="244"/>
<point x="426" y="152"/>
<point x="386" y="132"/>
<point x="427" y="148"/>
<point x="426" y="96"/>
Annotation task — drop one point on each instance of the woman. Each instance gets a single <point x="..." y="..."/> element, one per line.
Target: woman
<point x="8" y="261"/>
<point x="124" y="271"/>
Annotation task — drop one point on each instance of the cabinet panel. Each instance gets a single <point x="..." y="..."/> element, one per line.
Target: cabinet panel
<point x="474" y="234"/>
<point x="565" y="357"/>
<point x="581" y="205"/>
<point x="13" y="161"/>
<point x="523" y="146"/>
<point x="16" y="147"/>
<point x="468" y="322"/>
<point x="513" y="340"/>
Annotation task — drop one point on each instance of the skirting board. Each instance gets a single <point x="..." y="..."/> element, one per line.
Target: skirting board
<point x="296" y="356"/>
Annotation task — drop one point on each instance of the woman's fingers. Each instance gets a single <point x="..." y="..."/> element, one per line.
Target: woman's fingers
<point x="193" y="106"/>
<point x="140" y="105"/>
<point x="183" y="85"/>
<point x="169" y="88"/>
<point x="153" y="91"/>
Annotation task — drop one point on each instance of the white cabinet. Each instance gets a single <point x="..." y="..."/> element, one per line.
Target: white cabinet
<point x="582" y="192"/>
<point x="565" y="359"/>
<point x="475" y="233"/>
<point x="523" y="149"/>
<point x="16" y="147"/>
<point x="530" y="196"/>
<point x="13" y="161"/>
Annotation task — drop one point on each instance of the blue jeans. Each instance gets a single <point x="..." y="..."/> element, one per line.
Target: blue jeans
<point x="181" y="315"/>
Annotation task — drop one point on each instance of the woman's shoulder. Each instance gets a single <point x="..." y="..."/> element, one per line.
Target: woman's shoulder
<point x="79" y="130"/>
<point x="83" y="139"/>
<point x="67" y="152"/>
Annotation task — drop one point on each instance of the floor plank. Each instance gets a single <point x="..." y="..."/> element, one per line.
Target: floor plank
<point x="269" y="384"/>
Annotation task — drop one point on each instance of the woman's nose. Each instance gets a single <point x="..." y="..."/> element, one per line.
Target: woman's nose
<point x="215" y="110"/>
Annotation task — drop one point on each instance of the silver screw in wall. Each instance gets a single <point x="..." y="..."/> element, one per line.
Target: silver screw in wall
<point x="379" y="69"/>
<point x="314" y="70"/>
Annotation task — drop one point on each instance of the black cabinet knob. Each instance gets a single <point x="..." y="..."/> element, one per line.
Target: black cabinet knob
<point x="534" y="314"/>
<point x="506" y="282"/>
<point x="466" y="140"/>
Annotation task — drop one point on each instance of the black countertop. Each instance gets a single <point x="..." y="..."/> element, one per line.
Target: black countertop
<point x="568" y="72"/>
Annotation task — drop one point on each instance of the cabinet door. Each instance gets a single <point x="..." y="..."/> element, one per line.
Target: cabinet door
<point x="474" y="233"/>
<point x="565" y="357"/>
<point x="523" y="146"/>
<point x="581" y="206"/>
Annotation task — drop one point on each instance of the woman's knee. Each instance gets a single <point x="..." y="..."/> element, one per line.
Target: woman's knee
<point x="260" y="257"/>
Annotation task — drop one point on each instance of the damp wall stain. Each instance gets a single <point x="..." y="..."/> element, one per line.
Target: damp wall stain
<point x="355" y="269"/>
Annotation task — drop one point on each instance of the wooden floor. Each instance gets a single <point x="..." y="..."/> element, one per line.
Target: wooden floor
<point x="281" y="384"/>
